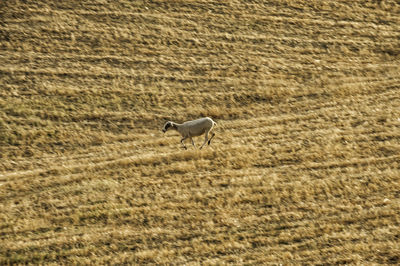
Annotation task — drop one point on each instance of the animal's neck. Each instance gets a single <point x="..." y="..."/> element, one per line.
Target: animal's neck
<point x="176" y="126"/>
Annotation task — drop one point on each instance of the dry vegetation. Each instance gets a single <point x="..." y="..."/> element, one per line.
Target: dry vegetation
<point x="305" y="166"/>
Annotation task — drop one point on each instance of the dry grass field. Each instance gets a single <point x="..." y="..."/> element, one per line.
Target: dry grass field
<point x="304" y="168"/>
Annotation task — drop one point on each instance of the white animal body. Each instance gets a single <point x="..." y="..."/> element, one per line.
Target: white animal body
<point x="192" y="129"/>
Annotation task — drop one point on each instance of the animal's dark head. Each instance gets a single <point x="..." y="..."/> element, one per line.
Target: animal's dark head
<point x="168" y="125"/>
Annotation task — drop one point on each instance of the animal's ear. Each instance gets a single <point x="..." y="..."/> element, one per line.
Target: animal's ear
<point x="166" y="126"/>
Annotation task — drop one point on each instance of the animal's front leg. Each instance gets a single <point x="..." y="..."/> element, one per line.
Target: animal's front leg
<point x="183" y="144"/>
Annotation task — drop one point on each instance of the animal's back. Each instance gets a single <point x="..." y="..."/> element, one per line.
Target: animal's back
<point x="199" y="126"/>
<point x="200" y="121"/>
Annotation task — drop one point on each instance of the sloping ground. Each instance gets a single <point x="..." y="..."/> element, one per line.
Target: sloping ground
<point x="305" y="166"/>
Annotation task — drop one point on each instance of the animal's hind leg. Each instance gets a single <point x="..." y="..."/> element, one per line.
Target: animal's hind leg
<point x="209" y="141"/>
<point x="194" y="145"/>
<point x="205" y="140"/>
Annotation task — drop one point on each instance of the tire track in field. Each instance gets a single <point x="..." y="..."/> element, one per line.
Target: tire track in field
<point x="77" y="165"/>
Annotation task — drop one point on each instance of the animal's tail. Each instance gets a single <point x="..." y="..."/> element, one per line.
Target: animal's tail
<point x="220" y="126"/>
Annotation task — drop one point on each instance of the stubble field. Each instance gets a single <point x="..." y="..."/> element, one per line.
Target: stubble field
<point x="304" y="168"/>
